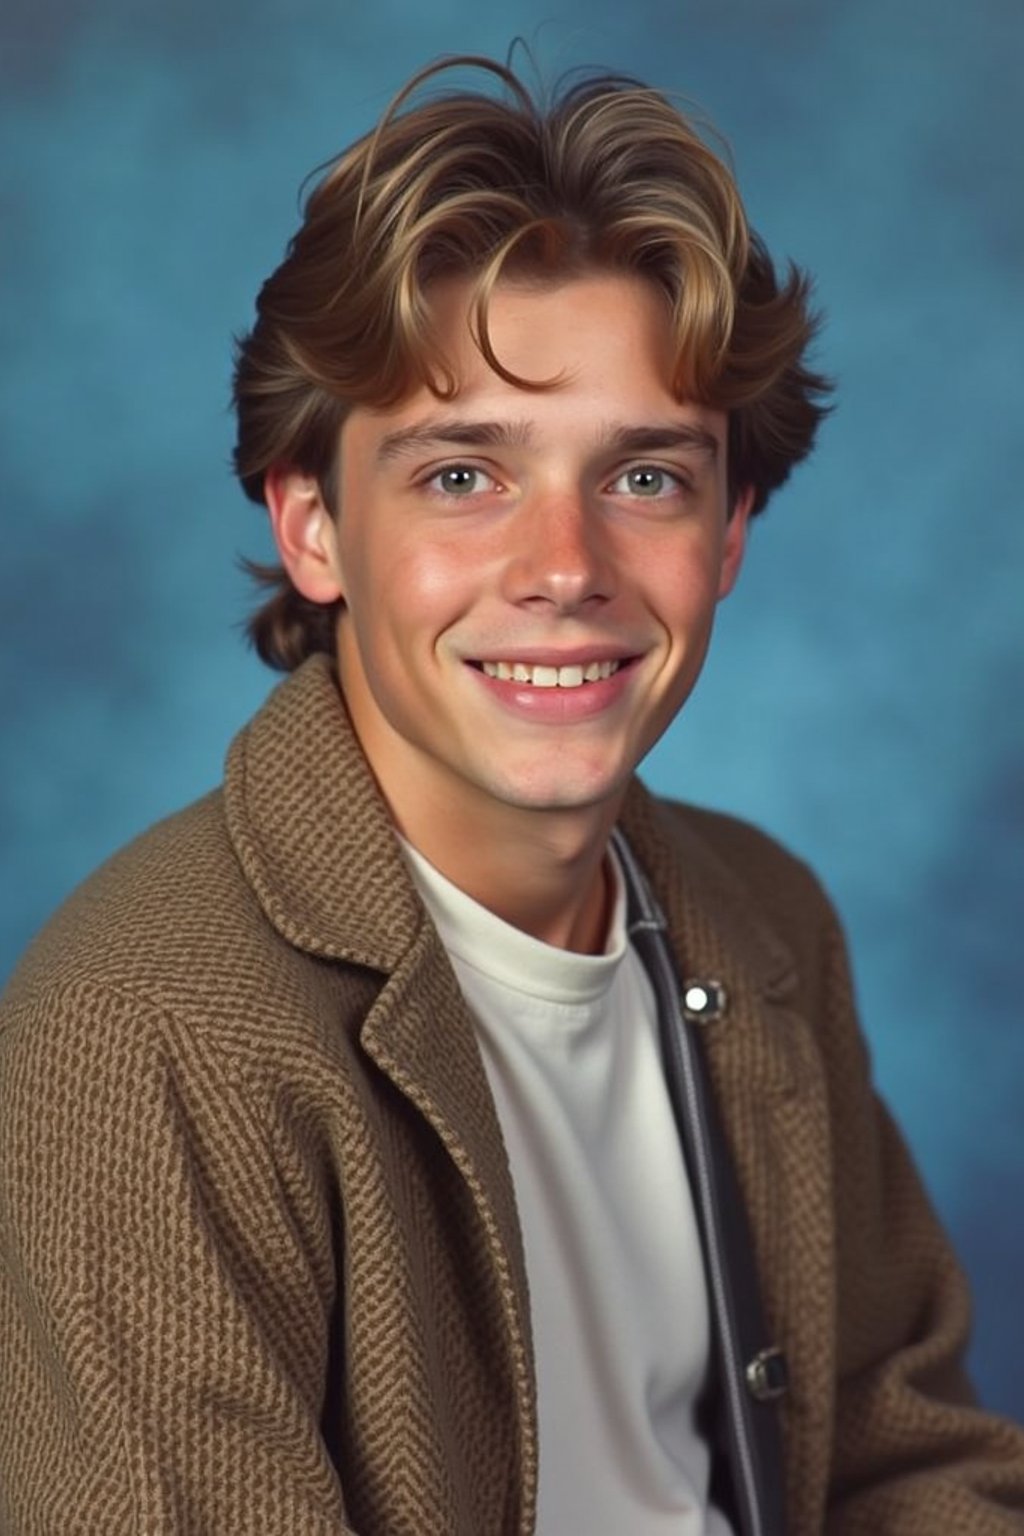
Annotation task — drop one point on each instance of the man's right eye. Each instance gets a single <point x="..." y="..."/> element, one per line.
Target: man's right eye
<point x="460" y="480"/>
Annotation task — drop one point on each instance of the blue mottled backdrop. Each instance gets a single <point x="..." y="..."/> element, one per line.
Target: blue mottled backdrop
<point x="865" y="698"/>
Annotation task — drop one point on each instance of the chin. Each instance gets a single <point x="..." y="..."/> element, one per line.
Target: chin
<point x="576" y="794"/>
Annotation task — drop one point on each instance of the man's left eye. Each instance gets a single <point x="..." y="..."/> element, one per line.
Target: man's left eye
<point x="646" y="480"/>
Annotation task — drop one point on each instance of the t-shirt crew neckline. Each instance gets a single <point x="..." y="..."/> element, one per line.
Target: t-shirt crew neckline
<point x="516" y="960"/>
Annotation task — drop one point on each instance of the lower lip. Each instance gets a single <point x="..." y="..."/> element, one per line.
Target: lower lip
<point x="558" y="706"/>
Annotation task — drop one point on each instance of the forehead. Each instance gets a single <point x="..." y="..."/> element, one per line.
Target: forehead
<point x="543" y="328"/>
<point x="600" y="343"/>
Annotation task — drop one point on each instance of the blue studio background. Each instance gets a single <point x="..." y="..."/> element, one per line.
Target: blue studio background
<point x="864" y="698"/>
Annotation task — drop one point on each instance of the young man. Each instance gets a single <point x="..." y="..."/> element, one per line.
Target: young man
<point x="430" y="1132"/>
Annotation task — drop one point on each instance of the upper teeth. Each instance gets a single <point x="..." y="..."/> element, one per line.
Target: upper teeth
<point x="550" y="677"/>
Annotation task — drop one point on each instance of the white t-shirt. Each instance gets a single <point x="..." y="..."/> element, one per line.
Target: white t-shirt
<point x="618" y="1299"/>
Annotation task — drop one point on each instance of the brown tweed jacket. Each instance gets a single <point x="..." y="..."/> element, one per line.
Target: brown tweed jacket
<point x="260" y="1268"/>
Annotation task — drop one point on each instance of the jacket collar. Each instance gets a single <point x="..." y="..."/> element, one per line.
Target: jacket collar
<point x="311" y="830"/>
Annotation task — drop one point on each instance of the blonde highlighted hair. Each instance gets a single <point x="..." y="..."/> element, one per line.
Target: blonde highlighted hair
<point x="608" y="175"/>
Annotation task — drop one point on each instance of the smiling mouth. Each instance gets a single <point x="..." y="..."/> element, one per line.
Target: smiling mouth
<point x="549" y="677"/>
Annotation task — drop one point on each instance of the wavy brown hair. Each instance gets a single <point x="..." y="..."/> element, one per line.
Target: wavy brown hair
<point x="607" y="175"/>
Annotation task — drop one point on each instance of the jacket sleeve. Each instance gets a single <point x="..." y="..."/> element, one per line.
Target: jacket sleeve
<point x="163" y="1314"/>
<point x="913" y="1454"/>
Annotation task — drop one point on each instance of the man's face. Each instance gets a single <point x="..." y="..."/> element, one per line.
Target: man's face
<point x="530" y="577"/>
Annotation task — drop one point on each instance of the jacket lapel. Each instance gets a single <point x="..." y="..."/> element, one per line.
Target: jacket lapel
<point x="420" y="1033"/>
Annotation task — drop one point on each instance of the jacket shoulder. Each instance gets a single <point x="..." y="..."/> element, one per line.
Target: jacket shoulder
<point x="170" y="892"/>
<point x="170" y="929"/>
<point x="172" y="922"/>
<point x="775" y="879"/>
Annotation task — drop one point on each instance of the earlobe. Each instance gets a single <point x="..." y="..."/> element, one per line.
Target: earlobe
<point x="735" y="543"/>
<point x="304" y="532"/>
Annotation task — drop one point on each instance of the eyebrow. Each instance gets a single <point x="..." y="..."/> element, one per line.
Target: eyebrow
<point x="518" y="434"/>
<point x="656" y="439"/>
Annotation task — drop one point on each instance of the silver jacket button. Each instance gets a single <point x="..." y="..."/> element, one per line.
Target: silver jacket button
<point x="704" y="1002"/>
<point x="767" y="1375"/>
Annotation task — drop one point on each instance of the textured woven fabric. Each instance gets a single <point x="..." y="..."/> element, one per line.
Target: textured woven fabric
<point x="260" y="1268"/>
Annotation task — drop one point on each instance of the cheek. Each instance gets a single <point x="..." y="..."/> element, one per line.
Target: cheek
<point x="403" y="594"/>
<point x="432" y="582"/>
<point x="438" y="572"/>
<point x="681" y="583"/>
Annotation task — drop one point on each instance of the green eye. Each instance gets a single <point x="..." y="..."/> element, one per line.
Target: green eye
<point x="646" y="480"/>
<point x="458" y="480"/>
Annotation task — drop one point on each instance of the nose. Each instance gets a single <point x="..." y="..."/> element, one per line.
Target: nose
<point x="559" y="557"/>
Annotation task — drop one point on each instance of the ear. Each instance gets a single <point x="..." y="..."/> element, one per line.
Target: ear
<point x="735" y="543"/>
<point x="304" y="532"/>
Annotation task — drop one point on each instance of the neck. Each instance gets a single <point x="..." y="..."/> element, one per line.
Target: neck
<point x="543" y="871"/>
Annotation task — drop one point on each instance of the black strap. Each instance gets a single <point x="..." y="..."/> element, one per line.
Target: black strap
<point x="747" y="1424"/>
